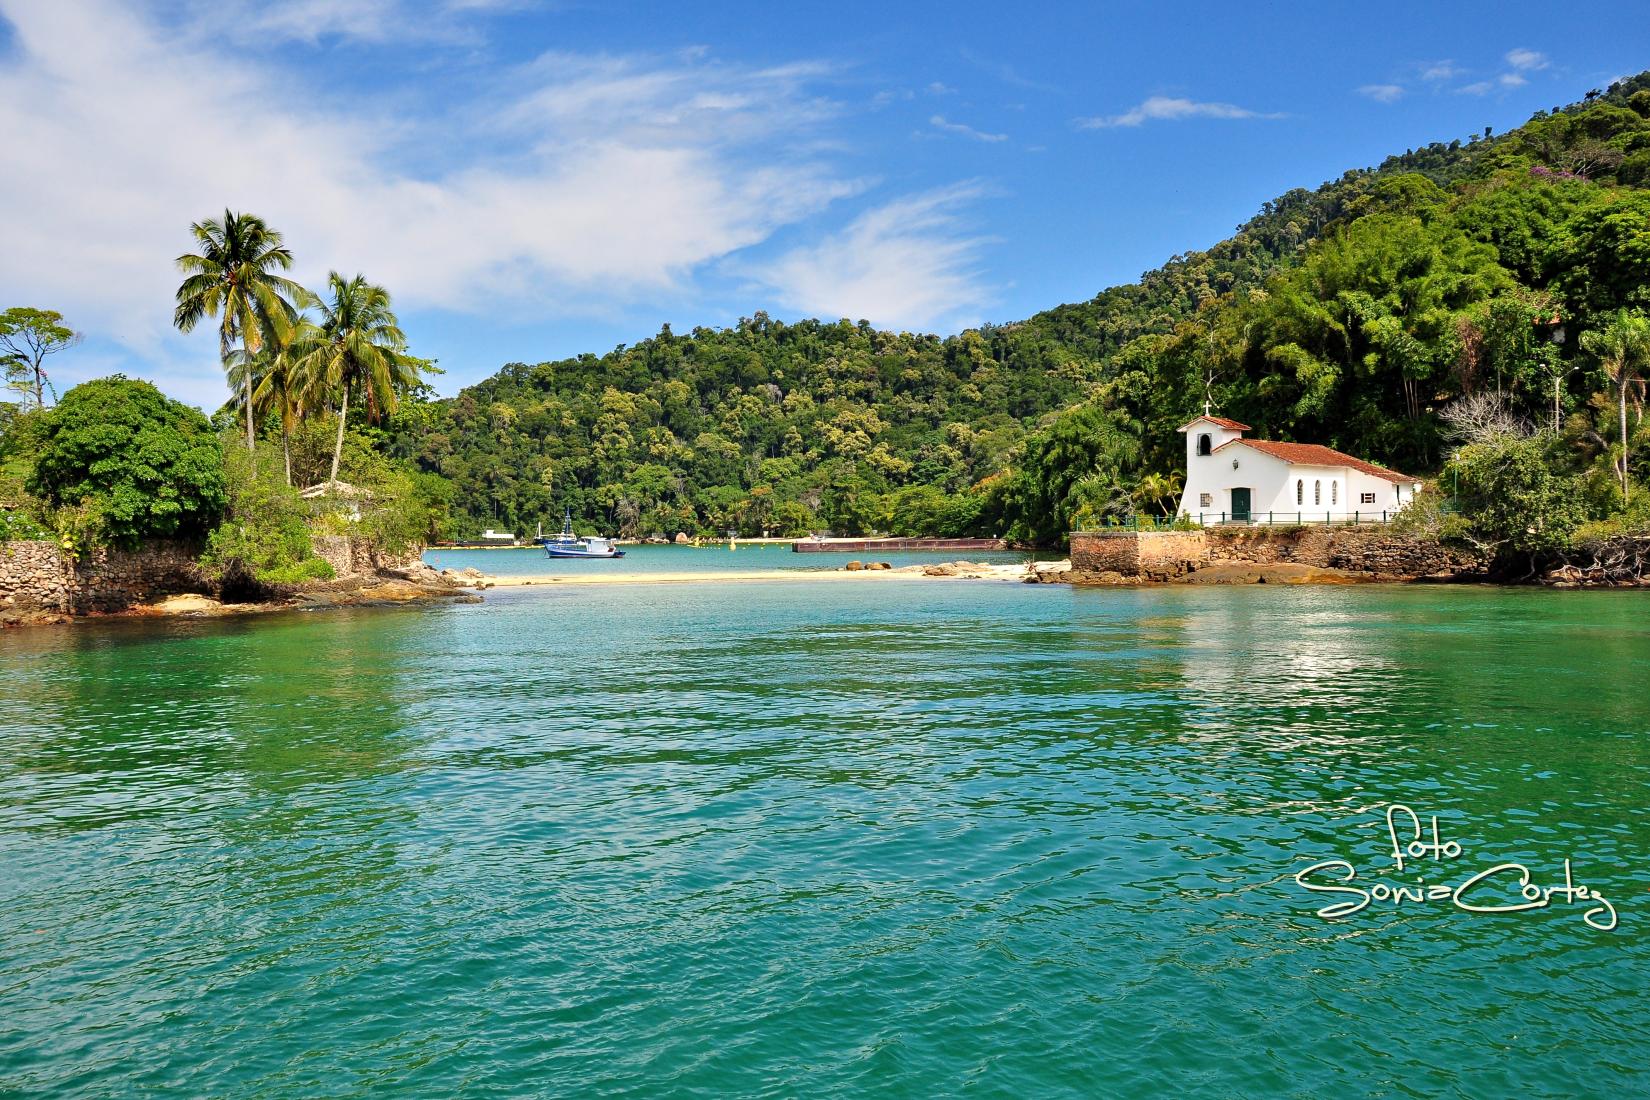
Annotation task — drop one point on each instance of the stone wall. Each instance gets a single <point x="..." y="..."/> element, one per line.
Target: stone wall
<point x="38" y="576"/>
<point x="352" y="557"/>
<point x="1369" y="548"/>
<point x="1156" y="555"/>
<point x="1162" y="555"/>
<point x="35" y="575"/>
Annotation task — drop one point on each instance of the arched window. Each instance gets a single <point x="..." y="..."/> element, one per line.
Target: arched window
<point x="1317" y="492"/>
<point x="1204" y="445"/>
<point x="1334" y="492"/>
<point x="1300" y="492"/>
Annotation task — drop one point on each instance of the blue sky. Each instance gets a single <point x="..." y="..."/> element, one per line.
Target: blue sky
<point x="537" y="179"/>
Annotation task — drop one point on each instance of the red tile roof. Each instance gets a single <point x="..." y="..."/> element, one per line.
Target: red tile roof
<point x="1312" y="454"/>
<point x="1218" y="421"/>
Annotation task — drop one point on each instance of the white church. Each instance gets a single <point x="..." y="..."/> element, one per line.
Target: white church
<point x="1230" y="479"/>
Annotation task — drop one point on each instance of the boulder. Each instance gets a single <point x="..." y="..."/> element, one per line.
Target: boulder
<point x="681" y="538"/>
<point x="854" y="566"/>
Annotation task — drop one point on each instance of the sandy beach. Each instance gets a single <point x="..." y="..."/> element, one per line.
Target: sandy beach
<point x="950" y="571"/>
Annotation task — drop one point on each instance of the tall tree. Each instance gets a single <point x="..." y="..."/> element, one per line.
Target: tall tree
<point x="358" y="345"/>
<point x="279" y="384"/>
<point x="1622" y="348"/>
<point x="27" y="336"/>
<point x="233" y="277"/>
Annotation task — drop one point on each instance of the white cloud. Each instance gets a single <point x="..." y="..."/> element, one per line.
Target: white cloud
<point x="904" y="263"/>
<point x="1437" y="71"/>
<point x="1482" y="87"/>
<point x="1512" y="80"/>
<point x="939" y="122"/>
<point x="1382" y="93"/>
<point x="937" y="88"/>
<point x="574" y="183"/>
<point x="1526" y="60"/>
<point x="1165" y="108"/>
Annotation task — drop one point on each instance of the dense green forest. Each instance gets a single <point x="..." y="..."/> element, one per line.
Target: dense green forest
<point x="1478" y="311"/>
<point x="1350" y="315"/>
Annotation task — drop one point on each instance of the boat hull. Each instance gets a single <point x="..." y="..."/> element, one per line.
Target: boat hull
<point x="551" y="551"/>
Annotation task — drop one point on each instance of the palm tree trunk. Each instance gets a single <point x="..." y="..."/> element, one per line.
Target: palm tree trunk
<point x="338" y="449"/>
<point x="286" y="452"/>
<point x="1622" y="391"/>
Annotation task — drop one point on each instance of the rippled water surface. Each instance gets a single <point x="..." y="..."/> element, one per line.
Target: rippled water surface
<point x="912" y="838"/>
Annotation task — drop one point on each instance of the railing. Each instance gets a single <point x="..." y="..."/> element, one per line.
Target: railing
<point x="1295" y="519"/>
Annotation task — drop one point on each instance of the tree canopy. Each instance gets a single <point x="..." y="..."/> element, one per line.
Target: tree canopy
<point x="133" y="463"/>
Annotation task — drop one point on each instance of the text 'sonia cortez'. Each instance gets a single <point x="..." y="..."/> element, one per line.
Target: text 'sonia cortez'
<point x="1502" y="888"/>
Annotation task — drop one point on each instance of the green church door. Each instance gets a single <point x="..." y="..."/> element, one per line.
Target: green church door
<point x="1240" y="505"/>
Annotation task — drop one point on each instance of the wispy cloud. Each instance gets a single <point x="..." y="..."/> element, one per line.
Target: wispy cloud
<point x="937" y="88"/>
<point x="909" y="262"/>
<point x="315" y="21"/>
<point x="1382" y="93"/>
<point x="1167" y="109"/>
<point x="1004" y="72"/>
<point x="1436" y="72"/>
<point x="570" y="185"/>
<point x="1523" y="60"/>
<point x="940" y="122"/>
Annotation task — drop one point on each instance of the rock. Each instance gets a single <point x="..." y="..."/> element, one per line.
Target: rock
<point x="854" y="566"/>
<point x="187" y="604"/>
<point x="879" y="565"/>
<point x="945" y="570"/>
<point x="681" y="538"/>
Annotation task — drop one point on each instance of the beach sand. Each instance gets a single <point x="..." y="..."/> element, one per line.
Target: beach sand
<point x="960" y="571"/>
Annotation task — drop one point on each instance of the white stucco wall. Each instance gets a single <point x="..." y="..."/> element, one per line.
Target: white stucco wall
<point x="1325" y="491"/>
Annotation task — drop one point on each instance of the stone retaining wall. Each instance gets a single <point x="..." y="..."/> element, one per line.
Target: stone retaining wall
<point x="1155" y="554"/>
<point x="1164" y="555"/>
<point x="350" y="557"/>
<point x="36" y="575"/>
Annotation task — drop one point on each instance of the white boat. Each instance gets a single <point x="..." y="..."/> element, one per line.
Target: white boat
<point x="568" y="545"/>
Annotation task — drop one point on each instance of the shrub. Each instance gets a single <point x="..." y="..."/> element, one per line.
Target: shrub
<point x="265" y="536"/>
<point x="131" y="463"/>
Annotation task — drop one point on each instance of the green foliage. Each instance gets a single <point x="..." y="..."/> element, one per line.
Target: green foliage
<point x="123" y="464"/>
<point x="357" y="347"/>
<point x="233" y="277"/>
<point x="27" y="337"/>
<point x="1075" y="474"/>
<point x="21" y="525"/>
<point x="1515" y="501"/>
<point x="1346" y="315"/>
<point x="265" y="534"/>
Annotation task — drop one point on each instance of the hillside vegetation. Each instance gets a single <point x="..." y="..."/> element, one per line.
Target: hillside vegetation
<point x="1351" y="315"/>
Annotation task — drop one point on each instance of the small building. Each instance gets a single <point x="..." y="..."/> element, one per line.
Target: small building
<point x="1230" y="479"/>
<point x="337" y="496"/>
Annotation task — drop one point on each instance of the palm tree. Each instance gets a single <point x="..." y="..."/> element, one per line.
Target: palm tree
<point x="279" y="384"/>
<point x="358" y="345"/>
<point x="1622" y="347"/>
<point x="1160" y="491"/>
<point x="233" y="277"/>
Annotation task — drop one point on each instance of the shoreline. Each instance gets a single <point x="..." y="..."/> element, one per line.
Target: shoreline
<point x="951" y="570"/>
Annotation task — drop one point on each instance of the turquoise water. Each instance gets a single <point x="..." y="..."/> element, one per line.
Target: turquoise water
<point x="916" y="838"/>
<point x="533" y="561"/>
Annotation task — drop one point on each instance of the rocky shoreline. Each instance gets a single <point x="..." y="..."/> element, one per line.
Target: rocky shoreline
<point x="416" y="583"/>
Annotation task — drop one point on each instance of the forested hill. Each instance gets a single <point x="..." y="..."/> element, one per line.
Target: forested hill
<point x="1346" y="315"/>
